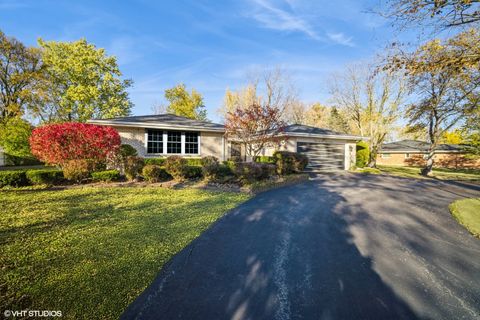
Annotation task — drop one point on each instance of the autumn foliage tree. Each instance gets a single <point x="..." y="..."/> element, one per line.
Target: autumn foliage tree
<point x="256" y="126"/>
<point x="57" y="144"/>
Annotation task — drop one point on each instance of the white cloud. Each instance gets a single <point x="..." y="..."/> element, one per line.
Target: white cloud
<point x="273" y="17"/>
<point x="340" y="38"/>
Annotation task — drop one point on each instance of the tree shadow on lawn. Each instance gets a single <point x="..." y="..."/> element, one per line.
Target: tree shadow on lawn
<point x="287" y="253"/>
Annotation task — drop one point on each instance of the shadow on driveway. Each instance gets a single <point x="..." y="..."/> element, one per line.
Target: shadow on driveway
<point x="338" y="247"/>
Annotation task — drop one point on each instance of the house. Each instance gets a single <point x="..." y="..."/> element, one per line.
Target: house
<point x="166" y="134"/>
<point x="414" y="153"/>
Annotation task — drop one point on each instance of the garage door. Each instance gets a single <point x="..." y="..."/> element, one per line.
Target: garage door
<point x="323" y="156"/>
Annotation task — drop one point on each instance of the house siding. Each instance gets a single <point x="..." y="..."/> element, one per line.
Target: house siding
<point x="441" y="160"/>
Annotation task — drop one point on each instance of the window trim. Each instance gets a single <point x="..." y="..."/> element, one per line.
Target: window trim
<point x="408" y="155"/>
<point x="165" y="143"/>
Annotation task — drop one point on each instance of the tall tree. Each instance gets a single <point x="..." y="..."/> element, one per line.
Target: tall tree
<point x="256" y="126"/>
<point x="317" y="115"/>
<point x="14" y="135"/>
<point x="372" y="101"/>
<point x="447" y="93"/>
<point x="337" y="121"/>
<point x="20" y="71"/>
<point x="83" y="83"/>
<point x="184" y="103"/>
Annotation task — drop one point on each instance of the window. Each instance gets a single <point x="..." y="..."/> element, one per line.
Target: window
<point x="174" y="142"/>
<point x="154" y="141"/>
<point x="407" y="156"/>
<point x="386" y="155"/>
<point x="191" y="142"/>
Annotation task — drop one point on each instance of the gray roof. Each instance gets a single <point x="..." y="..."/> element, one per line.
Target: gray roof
<point x="417" y="146"/>
<point x="304" y="130"/>
<point x="161" y="119"/>
<point x="300" y="128"/>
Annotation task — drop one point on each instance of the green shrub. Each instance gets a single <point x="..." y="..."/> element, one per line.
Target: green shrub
<point x="284" y="161"/>
<point x="300" y="162"/>
<point x="155" y="173"/>
<point x="231" y="165"/>
<point x="78" y="170"/>
<point x="193" y="172"/>
<point x="363" y="153"/>
<point x="155" y="161"/>
<point x="133" y="166"/>
<point x="264" y="159"/>
<point x="194" y="162"/>
<point x="290" y="162"/>
<point x="253" y="171"/>
<point x="45" y="176"/>
<point x="13" y="178"/>
<point x="176" y="166"/>
<point x="106" y="176"/>
<point x="224" y="171"/>
<point x="127" y="150"/>
<point x="210" y="167"/>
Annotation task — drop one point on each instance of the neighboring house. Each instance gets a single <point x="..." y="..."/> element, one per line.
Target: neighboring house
<point x="166" y="134"/>
<point x="414" y="153"/>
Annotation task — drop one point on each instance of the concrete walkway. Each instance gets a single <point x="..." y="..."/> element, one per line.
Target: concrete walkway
<point x="339" y="247"/>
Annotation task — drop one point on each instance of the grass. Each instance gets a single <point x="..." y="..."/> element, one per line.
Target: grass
<point x="467" y="213"/>
<point x="89" y="252"/>
<point x="438" y="173"/>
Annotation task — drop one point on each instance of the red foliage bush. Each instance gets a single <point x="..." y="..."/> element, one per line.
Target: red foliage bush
<point x="59" y="143"/>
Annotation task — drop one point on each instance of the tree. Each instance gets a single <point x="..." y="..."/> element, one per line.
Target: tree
<point x="256" y="126"/>
<point x="57" y="144"/>
<point x="267" y="87"/>
<point x="14" y="135"/>
<point x="436" y="13"/>
<point x="185" y="104"/>
<point x="83" y="83"/>
<point x="455" y="136"/>
<point x="20" y="70"/>
<point x="317" y="115"/>
<point x="337" y="121"/>
<point x="447" y="92"/>
<point x="372" y="100"/>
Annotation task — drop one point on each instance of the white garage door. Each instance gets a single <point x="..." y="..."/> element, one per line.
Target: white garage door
<point x="323" y="156"/>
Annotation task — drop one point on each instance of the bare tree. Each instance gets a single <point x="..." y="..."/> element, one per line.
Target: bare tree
<point x="433" y="13"/>
<point x="271" y="87"/>
<point x="372" y="100"/>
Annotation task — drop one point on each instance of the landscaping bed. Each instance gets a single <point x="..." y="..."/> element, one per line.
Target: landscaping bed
<point x="90" y="251"/>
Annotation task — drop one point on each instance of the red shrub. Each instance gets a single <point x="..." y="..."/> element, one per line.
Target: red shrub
<point x="59" y="143"/>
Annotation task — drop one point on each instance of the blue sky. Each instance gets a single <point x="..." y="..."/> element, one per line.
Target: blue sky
<point x="209" y="45"/>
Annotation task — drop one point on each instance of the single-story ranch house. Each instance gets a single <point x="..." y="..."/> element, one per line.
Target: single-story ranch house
<point x="414" y="153"/>
<point x="166" y="134"/>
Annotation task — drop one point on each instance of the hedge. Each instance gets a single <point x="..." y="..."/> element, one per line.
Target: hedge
<point x="106" y="176"/>
<point x="265" y="159"/>
<point x="290" y="162"/>
<point x="13" y="178"/>
<point x="155" y="173"/>
<point x="363" y="154"/>
<point x="161" y="161"/>
<point x="45" y="176"/>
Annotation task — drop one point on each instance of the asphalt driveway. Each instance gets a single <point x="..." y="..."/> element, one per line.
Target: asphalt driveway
<point x="338" y="247"/>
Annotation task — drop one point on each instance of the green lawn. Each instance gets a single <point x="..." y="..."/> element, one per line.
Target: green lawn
<point x="438" y="173"/>
<point x="467" y="213"/>
<point x="89" y="252"/>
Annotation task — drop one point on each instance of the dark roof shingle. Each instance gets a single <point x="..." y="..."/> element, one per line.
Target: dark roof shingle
<point x="166" y="118"/>
<point x="416" y="145"/>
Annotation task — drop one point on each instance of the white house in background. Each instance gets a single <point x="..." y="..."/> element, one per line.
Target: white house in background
<point x="166" y="134"/>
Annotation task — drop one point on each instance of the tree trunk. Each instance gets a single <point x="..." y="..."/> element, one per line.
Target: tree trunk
<point x="372" y="157"/>
<point x="427" y="170"/>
